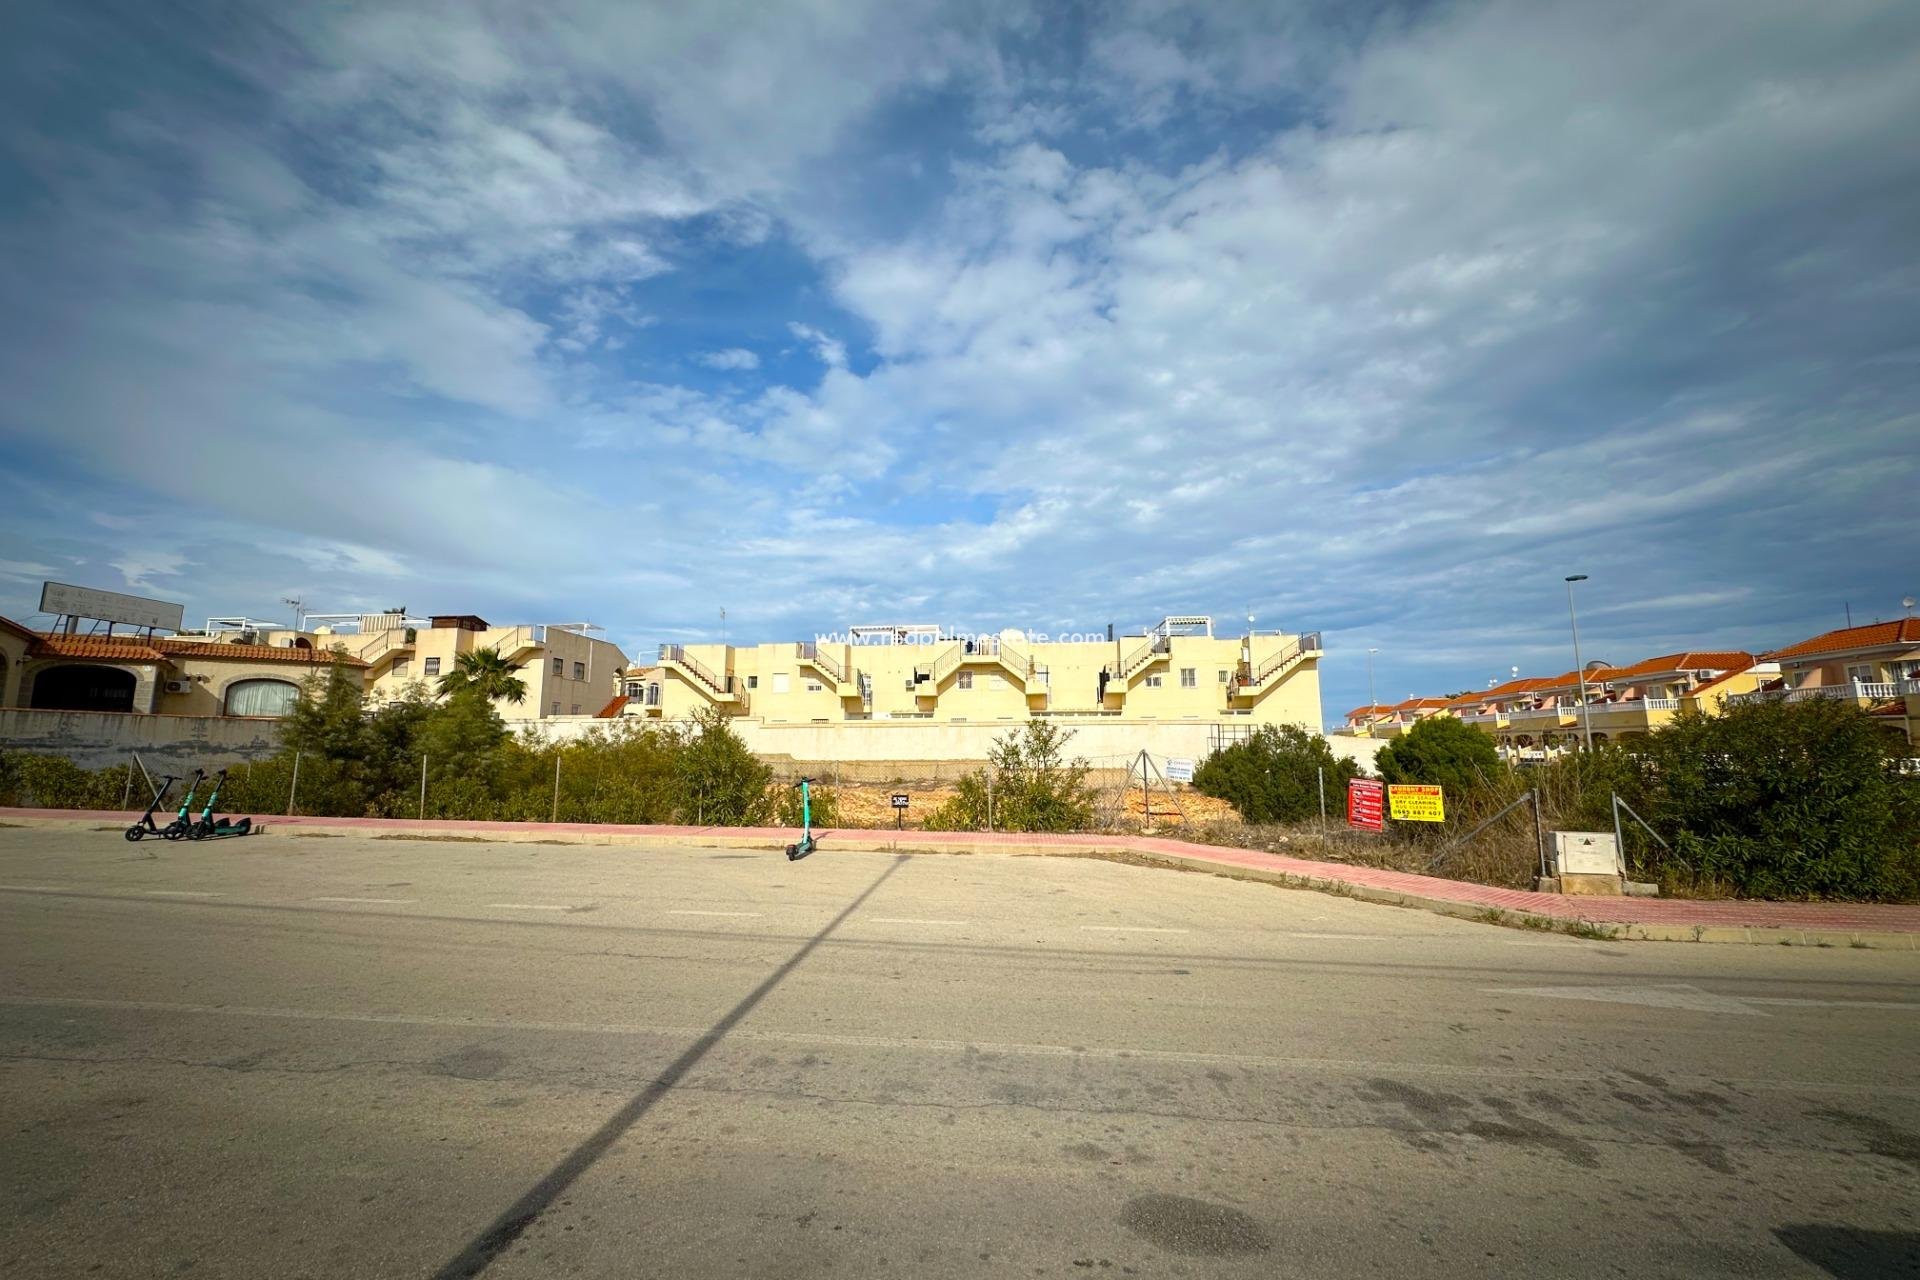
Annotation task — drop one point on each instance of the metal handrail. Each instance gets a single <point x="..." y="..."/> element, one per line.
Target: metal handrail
<point x="810" y="652"/>
<point x="1143" y="656"/>
<point x="946" y="662"/>
<point x="1304" y="644"/>
<point x="677" y="653"/>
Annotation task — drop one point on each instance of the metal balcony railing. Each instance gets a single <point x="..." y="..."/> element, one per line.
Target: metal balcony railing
<point x="1855" y="690"/>
<point x="1142" y="656"/>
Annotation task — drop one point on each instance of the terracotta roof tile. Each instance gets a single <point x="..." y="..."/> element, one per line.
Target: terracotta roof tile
<point x="1369" y="710"/>
<point x="1905" y="631"/>
<point x="161" y="649"/>
<point x="1691" y="660"/>
<point x="109" y="648"/>
<point x="217" y="652"/>
<point x="612" y="709"/>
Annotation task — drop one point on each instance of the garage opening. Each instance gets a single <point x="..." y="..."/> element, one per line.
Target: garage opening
<point x="80" y="688"/>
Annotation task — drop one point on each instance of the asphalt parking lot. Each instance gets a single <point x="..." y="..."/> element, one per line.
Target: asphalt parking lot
<point x="347" y="1056"/>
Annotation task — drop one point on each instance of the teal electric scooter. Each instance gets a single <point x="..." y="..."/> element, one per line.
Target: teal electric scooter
<point x="183" y="820"/>
<point x="807" y="843"/>
<point x="208" y="827"/>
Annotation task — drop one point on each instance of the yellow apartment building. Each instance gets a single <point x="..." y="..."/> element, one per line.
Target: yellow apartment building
<point x="1177" y="670"/>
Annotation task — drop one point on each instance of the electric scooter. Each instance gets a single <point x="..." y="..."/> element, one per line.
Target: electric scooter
<point x="225" y="826"/>
<point x="144" y="824"/>
<point x="183" y="819"/>
<point x="807" y="843"/>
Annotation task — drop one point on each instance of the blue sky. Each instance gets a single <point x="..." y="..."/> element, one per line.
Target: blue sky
<point x="1375" y="320"/>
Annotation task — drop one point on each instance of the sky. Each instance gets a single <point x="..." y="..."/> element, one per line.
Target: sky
<point x="1368" y="319"/>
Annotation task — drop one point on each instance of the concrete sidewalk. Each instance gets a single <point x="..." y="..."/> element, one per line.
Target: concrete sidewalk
<point x="1817" y="924"/>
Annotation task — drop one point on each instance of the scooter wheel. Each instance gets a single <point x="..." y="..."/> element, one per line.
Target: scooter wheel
<point x="134" y="833"/>
<point x="197" y="832"/>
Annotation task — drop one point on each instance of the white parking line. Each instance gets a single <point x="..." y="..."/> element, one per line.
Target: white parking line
<point x="385" y="902"/>
<point x="911" y="920"/>
<point x="528" y="906"/>
<point x="1127" y="928"/>
<point x="715" y="913"/>
<point x="181" y="893"/>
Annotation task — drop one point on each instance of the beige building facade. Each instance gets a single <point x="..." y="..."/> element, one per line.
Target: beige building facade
<point x="1178" y="670"/>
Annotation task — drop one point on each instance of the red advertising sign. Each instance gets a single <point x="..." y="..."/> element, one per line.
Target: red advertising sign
<point x="1364" y="803"/>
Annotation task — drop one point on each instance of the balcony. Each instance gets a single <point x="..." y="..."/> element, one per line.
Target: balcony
<point x="1861" y="691"/>
<point x="846" y="682"/>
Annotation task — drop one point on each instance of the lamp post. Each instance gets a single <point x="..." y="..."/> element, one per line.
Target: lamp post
<point x="1373" y="706"/>
<point x="1586" y="713"/>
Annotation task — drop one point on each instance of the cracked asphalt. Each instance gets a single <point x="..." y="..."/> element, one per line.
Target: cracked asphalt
<point x="345" y="1057"/>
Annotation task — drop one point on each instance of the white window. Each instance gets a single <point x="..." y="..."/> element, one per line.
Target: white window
<point x="635" y="689"/>
<point x="576" y="708"/>
<point x="779" y="682"/>
<point x="753" y="682"/>
<point x="1187" y="678"/>
<point x="579" y="671"/>
<point x="1223" y="675"/>
<point x="261" y="697"/>
<point x="965" y="681"/>
<point x="559" y="666"/>
<point x="1154" y="682"/>
<point x="400" y="667"/>
<point x="814" y="686"/>
<point x="430" y="667"/>
<point x="556" y="708"/>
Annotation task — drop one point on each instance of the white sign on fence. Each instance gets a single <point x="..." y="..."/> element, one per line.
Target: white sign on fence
<point x="110" y="606"/>
<point x="1178" y="770"/>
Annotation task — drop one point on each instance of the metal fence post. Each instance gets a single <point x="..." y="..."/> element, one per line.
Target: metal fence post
<point x="989" y="799"/>
<point x="1539" y="835"/>
<point x="423" y="785"/>
<point x="294" y="790"/>
<point x="1321" y="772"/>
<point x="126" y="797"/>
<point x="556" y="787"/>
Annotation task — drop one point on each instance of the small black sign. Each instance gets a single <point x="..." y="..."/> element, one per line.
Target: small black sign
<point x="899" y="799"/>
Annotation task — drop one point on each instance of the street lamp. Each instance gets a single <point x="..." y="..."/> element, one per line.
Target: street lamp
<point x="1373" y="706"/>
<point x="1586" y="713"/>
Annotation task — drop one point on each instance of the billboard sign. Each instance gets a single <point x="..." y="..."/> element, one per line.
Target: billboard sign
<point x="1364" y="797"/>
<point x="110" y="606"/>
<point x="1179" y="770"/>
<point x="1410" y="802"/>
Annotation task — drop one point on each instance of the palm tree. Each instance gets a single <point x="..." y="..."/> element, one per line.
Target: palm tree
<point x="486" y="673"/>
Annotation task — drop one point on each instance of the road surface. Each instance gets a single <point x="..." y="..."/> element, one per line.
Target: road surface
<point x="344" y="1057"/>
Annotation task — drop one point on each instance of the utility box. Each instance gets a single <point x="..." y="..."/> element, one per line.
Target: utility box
<point x="1586" y="853"/>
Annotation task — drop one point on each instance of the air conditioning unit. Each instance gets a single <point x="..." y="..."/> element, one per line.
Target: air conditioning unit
<point x="179" y="686"/>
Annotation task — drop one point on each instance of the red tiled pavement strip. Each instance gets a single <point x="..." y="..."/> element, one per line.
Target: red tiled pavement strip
<point x="1827" y="917"/>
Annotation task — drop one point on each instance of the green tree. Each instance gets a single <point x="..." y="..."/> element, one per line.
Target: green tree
<point x="1442" y="751"/>
<point x="1033" y="787"/>
<point x="1789" y="800"/>
<point x="720" y="781"/>
<point x="1274" y="775"/>
<point x="488" y="674"/>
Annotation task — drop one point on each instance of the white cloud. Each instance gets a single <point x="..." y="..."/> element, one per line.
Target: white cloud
<point x="827" y="350"/>
<point x="733" y="358"/>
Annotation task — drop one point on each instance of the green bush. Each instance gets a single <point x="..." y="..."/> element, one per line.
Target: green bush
<point x="1033" y="787"/>
<point x="1786" y="800"/>
<point x="824" y="802"/>
<point x="719" y="780"/>
<point x="36" y="781"/>
<point x="1445" y="752"/>
<point x="1274" y="776"/>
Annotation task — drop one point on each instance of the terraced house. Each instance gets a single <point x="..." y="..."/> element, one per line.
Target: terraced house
<point x="1875" y="666"/>
<point x="1176" y="670"/>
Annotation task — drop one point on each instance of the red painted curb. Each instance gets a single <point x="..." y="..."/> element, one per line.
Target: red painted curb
<point x="1827" y="916"/>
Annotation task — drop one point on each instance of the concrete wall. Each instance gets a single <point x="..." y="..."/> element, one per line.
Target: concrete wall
<point x="167" y="744"/>
<point x="1098" y="739"/>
